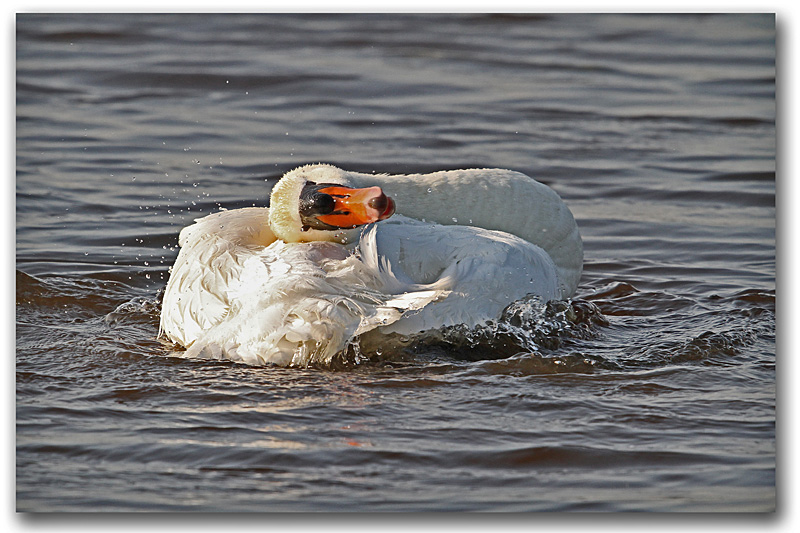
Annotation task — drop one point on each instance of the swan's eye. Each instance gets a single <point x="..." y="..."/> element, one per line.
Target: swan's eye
<point x="322" y="204"/>
<point x="313" y="202"/>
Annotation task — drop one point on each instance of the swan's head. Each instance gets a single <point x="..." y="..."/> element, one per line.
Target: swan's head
<point x="316" y="203"/>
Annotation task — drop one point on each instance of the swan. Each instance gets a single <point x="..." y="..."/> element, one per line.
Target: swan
<point x="339" y="254"/>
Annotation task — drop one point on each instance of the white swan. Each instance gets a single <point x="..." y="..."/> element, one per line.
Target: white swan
<point x="296" y="282"/>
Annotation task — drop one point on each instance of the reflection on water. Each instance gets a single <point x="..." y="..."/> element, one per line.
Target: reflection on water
<point x="653" y="390"/>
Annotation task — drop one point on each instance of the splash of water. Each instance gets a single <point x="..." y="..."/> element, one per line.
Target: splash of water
<point x="525" y="326"/>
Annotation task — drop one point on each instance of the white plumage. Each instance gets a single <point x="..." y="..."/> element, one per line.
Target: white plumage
<point x="239" y="292"/>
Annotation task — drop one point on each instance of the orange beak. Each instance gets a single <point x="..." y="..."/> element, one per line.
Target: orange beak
<point x="356" y="207"/>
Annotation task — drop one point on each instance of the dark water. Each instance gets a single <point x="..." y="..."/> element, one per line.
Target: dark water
<point x="658" y="131"/>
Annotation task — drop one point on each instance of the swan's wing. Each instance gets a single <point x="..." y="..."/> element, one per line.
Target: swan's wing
<point x="482" y="271"/>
